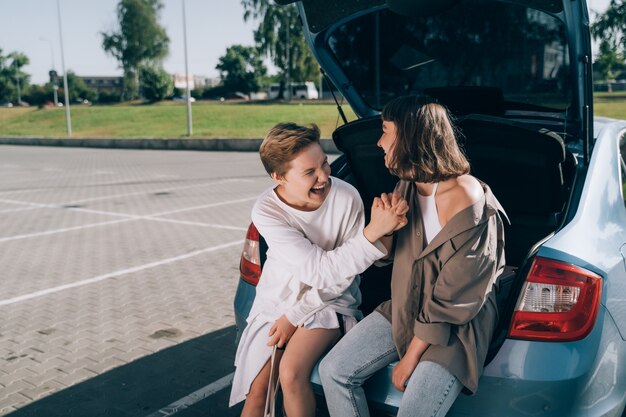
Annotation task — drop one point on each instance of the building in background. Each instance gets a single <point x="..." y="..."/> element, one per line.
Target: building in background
<point x="195" y="81"/>
<point x="109" y="84"/>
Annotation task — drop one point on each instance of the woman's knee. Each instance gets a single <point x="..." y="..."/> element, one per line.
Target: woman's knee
<point x="257" y="395"/>
<point x="292" y="377"/>
<point x="327" y="368"/>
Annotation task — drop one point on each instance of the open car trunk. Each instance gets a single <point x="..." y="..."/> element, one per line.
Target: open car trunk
<point x="529" y="170"/>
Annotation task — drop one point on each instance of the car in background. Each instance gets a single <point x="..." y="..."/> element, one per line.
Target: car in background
<point x="183" y="99"/>
<point x="305" y="91"/>
<point x="516" y="75"/>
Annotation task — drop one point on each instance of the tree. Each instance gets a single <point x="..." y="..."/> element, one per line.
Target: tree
<point x="610" y="29"/>
<point x="609" y="62"/>
<point x="139" y="41"/>
<point x="280" y="36"/>
<point x="156" y="84"/>
<point x="612" y="24"/>
<point x="78" y="89"/>
<point x="13" y="81"/>
<point x="38" y="95"/>
<point x="241" y="69"/>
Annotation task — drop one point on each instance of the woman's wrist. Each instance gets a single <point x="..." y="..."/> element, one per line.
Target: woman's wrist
<point x="389" y="234"/>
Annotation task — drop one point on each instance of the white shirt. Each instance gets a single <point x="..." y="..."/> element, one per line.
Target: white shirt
<point x="430" y="214"/>
<point x="313" y="256"/>
<point x="311" y="271"/>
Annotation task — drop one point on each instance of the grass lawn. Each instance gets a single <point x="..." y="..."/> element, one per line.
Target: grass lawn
<point x="210" y="119"/>
<point x="168" y="120"/>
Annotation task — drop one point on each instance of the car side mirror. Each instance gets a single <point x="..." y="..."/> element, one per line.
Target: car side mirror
<point x="416" y="8"/>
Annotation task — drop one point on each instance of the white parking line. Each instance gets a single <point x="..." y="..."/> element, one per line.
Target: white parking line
<point x="66" y="229"/>
<point x="194" y="397"/>
<point x="158" y="191"/>
<point x="115" y="274"/>
<point x="217" y="226"/>
<point x="115" y="195"/>
<point x="18" y="209"/>
<point x="126" y="218"/>
<point x="20" y="191"/>
<point x="47" y="176"/>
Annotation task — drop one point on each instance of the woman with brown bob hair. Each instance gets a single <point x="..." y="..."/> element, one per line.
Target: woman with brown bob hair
<point x="442" y="312"/>
<point x="425" y="148"/>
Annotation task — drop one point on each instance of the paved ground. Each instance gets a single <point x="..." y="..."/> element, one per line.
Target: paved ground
<point x="118" y="270"/>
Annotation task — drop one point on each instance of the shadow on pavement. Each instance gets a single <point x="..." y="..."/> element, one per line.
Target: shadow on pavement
<point x="146" y="385"/>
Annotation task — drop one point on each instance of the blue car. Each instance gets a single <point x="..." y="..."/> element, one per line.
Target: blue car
<point x="516" y="75"/>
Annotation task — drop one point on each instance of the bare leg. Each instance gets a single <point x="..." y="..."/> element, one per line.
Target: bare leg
<point x="304" y="349"/>
<point x="255" y="400"/>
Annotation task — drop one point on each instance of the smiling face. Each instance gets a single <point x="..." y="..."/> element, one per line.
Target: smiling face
<point x="387" y="140"/>
<point x="306" y="184"/>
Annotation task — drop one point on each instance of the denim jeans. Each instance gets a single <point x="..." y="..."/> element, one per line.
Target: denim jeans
<point x="368" y="347"/>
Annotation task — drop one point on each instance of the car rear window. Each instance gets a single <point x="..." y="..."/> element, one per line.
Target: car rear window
<point x="518" y="54"/>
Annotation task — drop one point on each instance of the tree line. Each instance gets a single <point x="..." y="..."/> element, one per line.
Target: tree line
<point x="140" y="44"/>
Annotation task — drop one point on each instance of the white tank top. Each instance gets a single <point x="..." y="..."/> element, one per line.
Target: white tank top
<point x="429" y="214"/>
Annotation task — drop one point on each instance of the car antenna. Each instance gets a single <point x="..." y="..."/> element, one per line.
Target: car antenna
<point x="341" y="113"/>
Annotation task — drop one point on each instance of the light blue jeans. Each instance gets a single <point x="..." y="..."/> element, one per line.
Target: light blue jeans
<point x="368" y="347"/>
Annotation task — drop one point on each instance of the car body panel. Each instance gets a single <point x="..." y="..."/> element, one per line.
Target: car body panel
<point x="244" y="297"/>
<point x="598" y="229"/>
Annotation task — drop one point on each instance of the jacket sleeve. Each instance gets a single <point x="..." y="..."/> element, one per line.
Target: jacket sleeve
<point x="311" y="264"/>
<point x="463" y="284"/>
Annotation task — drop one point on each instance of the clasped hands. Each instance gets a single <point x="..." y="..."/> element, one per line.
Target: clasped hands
<point x="388" y="215"/>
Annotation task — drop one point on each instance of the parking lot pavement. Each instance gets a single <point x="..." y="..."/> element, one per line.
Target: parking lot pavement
<point x="119" y="268"/>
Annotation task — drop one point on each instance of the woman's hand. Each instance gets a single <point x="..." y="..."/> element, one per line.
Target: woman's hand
<point x="399" y="204"/>
<point x="387" y="216"/>
<point x="403" y="371"/>
<point x="281" y="332"/>
<point x="405" y="368"/>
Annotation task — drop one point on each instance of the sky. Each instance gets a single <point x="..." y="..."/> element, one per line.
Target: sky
<point x="31" y="27"/>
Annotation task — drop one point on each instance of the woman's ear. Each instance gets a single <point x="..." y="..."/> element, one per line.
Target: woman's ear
<point x="277" y="178"/>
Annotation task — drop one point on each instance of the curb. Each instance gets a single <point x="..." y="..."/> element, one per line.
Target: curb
<point x="233" y="145"/>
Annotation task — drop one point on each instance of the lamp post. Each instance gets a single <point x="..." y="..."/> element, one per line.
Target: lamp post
<point x="189" y="121"/>
<point x="68" y="117"/>
<point x="53" y="73"/>
<point x="17" y="79"/>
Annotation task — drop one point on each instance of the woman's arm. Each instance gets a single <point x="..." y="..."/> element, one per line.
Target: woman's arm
<point x="315" y="266"/>
<point x="404" y="369"/>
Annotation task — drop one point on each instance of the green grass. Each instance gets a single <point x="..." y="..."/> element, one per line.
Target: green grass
<point x="167" y="120"/>
<point x="210" y="120"/>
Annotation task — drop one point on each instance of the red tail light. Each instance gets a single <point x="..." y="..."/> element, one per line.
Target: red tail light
<point x="250" y="266"/>
<point x="558" y="303"/>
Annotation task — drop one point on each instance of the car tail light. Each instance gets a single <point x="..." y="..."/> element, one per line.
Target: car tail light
<point x="558" y="303"/>
<point x="250" y="266"/>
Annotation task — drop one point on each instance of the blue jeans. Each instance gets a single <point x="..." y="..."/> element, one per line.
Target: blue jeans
<point x="368" y="347"/>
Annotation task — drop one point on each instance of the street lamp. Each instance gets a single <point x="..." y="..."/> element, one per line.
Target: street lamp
<point x="189" y="121"/>
<point x="68" y="118"/>
<point x="52" y="73"/>
<point x="17" y="79"/>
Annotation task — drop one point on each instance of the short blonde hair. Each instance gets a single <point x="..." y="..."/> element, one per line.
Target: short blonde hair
<point x="283" y="143"/>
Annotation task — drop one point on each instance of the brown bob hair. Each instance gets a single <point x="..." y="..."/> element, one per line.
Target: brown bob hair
<point x="425" y="148"/>
<point x="283" y="143"/>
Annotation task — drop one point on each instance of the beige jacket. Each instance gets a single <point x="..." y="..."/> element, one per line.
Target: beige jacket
<point x="444" y="293"/>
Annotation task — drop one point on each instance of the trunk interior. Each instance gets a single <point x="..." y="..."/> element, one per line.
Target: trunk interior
<point x="529" y="170"/>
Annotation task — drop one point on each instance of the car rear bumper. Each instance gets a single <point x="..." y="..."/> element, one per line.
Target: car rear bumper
<point x="244" y="297"/>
